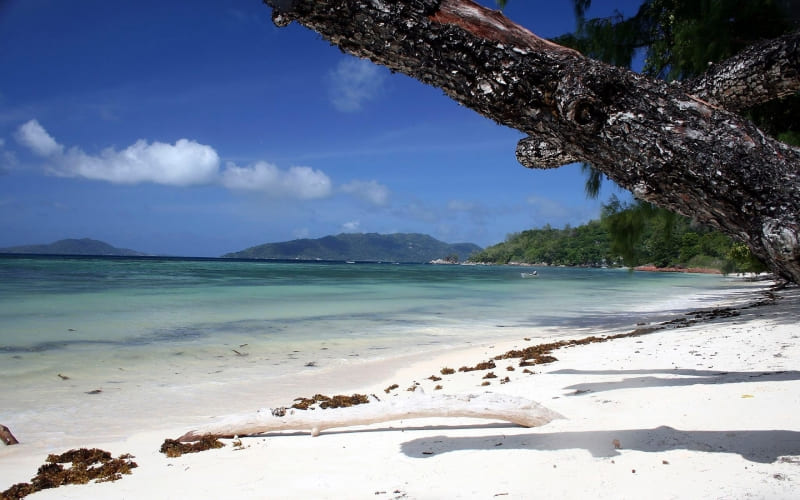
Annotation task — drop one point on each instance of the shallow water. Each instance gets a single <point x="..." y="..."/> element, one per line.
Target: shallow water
<point x="152" y="335"/>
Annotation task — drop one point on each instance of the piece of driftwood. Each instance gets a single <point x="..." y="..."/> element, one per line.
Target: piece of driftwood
<point x="6" y="436"/>
<point x="491" y="406"/>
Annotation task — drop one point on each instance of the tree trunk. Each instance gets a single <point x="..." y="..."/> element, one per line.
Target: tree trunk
<point x="487" y="406"/>
<point x="667" y="146"/>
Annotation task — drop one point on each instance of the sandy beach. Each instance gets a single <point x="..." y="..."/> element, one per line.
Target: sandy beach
<point x="704" y="408"/>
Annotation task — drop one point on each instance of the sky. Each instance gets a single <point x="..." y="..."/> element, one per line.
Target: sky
<point x="199" y="128"/>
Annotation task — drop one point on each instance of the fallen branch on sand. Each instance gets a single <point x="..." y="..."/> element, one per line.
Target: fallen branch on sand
<point x="6" y="436"/>
<point x="491" y="406"/>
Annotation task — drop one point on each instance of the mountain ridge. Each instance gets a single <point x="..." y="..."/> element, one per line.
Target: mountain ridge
<point x="374" y="247"/>
<point x="73" y="246"/>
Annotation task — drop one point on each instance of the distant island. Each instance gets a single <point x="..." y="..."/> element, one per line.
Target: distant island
<point x="371" y="247"/>
<point x="71" y="246"/>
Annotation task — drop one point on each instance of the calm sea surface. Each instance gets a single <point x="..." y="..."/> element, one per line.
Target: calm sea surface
<point x="148" y="330"/>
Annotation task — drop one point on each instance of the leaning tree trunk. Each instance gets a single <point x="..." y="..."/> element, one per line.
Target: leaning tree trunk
<point x="664" y="142"/>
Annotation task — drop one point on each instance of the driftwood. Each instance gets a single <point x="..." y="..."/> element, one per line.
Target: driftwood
<point x="516" y="410"/>
<point x="6" y="436"/>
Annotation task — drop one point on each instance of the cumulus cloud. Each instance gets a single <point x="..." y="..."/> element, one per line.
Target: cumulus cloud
<point x="354" y="82"/>
<point x="369" y="191"/>
<point x="351" y="226"/>
<point x="296" y="182"/>
<point x="35" y="137"/>
<point x="184" y="163"/>
<point x="181" y="164"/>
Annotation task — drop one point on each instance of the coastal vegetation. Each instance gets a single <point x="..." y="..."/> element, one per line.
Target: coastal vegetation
<point x="635" y="234"/>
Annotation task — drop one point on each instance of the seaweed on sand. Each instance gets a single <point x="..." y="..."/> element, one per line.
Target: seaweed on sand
<point x="338" y="401"/>
<point x="173" y="448"/>
<point x="485" y="365"/>
<point x="86" y="465"/>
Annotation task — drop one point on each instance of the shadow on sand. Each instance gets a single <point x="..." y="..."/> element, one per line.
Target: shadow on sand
<point x="691" y="377"/>
<point x="762" y="446"/>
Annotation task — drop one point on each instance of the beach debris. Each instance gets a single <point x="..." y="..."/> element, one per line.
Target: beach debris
<point x="490" y="375"/>
<point x="391" y="388"/>
<point x="175" y="448"/>
<point x="617" y="444"/>
<point x="63" y="377"/>
<point x="485" y="383"/>
<point x="516" y="410"/>
<point x="505" y="380"/>
<point x="95" y="391"/>
<point x="86" y="465"/>
<point x="6" y="436"/>
<point x="240" y="353"/>
<point x="338" y="401"/>
<point x="438" y="387"/>
<point x="311" y="364"/>
<point x="485" y="365"/>
<point x="447" y="371"/>
<point x="434" y="378"/>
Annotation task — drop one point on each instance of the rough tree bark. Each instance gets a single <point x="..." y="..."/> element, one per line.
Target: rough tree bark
<point x="667" y="145"/>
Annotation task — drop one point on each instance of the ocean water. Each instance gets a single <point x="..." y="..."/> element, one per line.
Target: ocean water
<point x="89" y="340"/>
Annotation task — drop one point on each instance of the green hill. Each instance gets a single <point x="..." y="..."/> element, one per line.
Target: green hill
<point x="83" y="246"/>
<point x="399" y="247"/>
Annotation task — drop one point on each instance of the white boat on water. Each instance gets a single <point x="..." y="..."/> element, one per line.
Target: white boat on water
<point x="532" y="274"/>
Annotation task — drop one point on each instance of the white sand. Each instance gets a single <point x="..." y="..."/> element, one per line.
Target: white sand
<point x="706" y="411"/>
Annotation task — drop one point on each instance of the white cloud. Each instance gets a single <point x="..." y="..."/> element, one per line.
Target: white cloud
<point x="353" y="82"/>
<point x="35" y="137"/>
<point x="184" y="163"/>
<point x="351" y="227"/>
<point x="548" y="208"/>
<point x="369" y="191"/>
<point x="296" y="182"/>
<point x="7" y="158"/>
<point x="461" y="206"/>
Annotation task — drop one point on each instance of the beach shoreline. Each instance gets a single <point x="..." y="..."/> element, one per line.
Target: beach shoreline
<point x="646" y="390"/>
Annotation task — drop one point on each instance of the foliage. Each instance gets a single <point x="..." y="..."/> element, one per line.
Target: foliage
<point x="630" y="234"/>
<point x="680" y="39"/>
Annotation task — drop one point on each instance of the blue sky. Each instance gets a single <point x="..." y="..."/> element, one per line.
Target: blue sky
<point x="199" y="128"/>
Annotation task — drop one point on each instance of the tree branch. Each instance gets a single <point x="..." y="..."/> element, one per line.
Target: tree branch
<point x="667" y="146"/>
<point x="763" y="72"/>
<point x="487" y="406"/>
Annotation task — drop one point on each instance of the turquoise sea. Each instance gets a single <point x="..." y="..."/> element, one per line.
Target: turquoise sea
<point x="83" y="339"/>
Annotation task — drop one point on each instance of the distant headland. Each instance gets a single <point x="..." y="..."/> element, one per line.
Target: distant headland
<point x="72" y="246"/>
<point x="369" y="247"/>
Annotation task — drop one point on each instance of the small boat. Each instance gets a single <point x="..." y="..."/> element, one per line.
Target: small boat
<point x="533" y="274"/>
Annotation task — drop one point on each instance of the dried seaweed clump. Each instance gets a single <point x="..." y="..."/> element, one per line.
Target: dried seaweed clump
<point x="447" y="371"/>
<point x="325" y="402"/>
<point x="486" y="365"/>
<point x="391" y="388"/>
<point x="173" y="448"/>
<point x="87" y="465"/>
